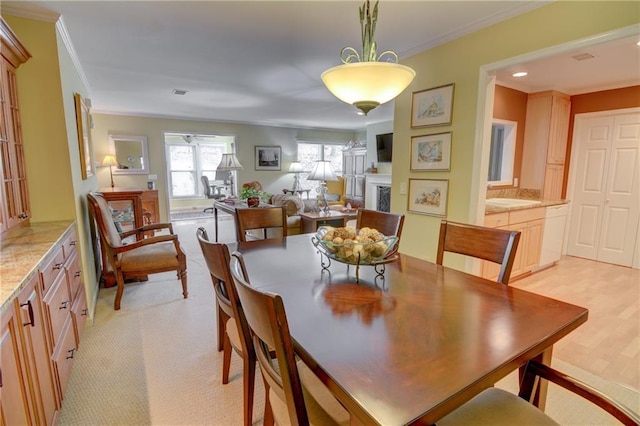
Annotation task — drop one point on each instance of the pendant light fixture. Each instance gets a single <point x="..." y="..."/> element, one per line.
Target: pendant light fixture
<point x="367" y="80"/>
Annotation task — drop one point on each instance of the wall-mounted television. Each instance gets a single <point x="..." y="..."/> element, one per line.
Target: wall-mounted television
<point x="384" y="144"/>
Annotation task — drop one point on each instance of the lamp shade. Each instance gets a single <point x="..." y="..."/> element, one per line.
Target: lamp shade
<point x="322" y="171"/>
<point x="229" y="162"/>
<point x="367" y="84"/>
<point x="295" y="167"/>
<point x="109" y="160"/>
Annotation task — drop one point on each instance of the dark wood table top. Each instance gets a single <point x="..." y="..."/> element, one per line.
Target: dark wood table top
<point x="409" y="347"/>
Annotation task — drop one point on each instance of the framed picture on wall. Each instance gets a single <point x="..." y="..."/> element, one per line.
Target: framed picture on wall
<point x="83" y="124"/>
<point x="268" y="157"/>
<point x="428" y="196"/>
<point x="432" y="107"/>
<point x="431" y="152"/>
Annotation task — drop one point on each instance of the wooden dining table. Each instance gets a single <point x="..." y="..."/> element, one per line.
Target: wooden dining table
<point x="412" y="344"/>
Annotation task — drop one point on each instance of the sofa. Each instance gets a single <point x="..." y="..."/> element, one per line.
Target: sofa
<point x="294" y="206"/>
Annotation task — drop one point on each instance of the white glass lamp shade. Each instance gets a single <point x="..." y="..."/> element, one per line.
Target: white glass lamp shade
<point x="322" y="171"/>
<point x="367" y="84"/>
<point x="229" y="162"/>
<point x="295" y="167"/>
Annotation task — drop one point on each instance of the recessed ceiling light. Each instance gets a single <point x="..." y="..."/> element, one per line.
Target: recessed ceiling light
<point x="519" y="74"/>
<point x="179" y="91"/>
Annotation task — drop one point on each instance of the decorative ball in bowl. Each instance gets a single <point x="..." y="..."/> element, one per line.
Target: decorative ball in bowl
<point x="358" y="247"/>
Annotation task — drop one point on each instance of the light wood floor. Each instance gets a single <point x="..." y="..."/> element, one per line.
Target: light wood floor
<point x="608" y="344"/>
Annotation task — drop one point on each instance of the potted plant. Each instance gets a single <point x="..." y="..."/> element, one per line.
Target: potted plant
<point x="252" y="192"/>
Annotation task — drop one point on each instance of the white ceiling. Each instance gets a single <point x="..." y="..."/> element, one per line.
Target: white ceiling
<point x="260" y="61"/>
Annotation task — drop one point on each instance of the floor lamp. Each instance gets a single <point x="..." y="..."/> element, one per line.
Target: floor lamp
<point x="296" y="168"/>
<point x="322" y="171"/>
<point x="230" y="163"/>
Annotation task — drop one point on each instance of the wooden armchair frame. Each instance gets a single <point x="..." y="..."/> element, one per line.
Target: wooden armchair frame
<point x="142" y="257"/>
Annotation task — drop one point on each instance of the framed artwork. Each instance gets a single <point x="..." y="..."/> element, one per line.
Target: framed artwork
<point x="83" y="124"/>
<point x="268" y="157"/>
<point x="428" y="196"/>
<point x="431" y="152"/>
<point x="432" y="107"/>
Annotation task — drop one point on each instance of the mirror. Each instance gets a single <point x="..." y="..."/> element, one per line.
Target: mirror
<point x="131" y="154"/>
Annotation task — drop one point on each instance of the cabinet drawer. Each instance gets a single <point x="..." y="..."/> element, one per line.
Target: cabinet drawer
<point x="64" y="355"/>
<point x="58" y="305"/>
<point x="51" y="268"/>
<point x="526" y="215"/>
<point x="79" y="314"/>
<point x="496" y="220"/>
<point x="69" y="244"/>
<point x="74" y="275"/>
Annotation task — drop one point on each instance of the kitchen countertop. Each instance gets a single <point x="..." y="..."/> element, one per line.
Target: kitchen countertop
<point x="21" y="252"/>
<point x="500" y="209"/>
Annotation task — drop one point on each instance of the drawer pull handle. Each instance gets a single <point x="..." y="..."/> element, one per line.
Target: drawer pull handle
<point x="0" y="377"/>
<point x="58" y="266"/>
<point x="64" y="305"/>
<point x="73" y="243"/>
<point x="77" y="274"/>
<point x="85" y="312"/>
<point x="30" y="310"/>
<point x="71" y="353"/>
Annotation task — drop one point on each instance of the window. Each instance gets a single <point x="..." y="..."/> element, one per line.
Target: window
<point x="309" y="152"/>
<point x="501" y="155"/>
<point x="191" y="156"/>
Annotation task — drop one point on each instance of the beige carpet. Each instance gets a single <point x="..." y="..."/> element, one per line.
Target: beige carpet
<point x="155" y="361"/>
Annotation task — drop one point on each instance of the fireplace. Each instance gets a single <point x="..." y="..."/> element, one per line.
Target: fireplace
<point x="378" y="192"/>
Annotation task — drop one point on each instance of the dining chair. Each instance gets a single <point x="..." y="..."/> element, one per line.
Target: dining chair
<point x="492" y="244"/>
<point x="209" y="192"/>
<point x="138" y="259"/>
<point x="233" y="331"/>
<point x="498" y="407"/>
<point x="272" y="221"/>
<point x="295" y="394"/>
<point x="389" y="224"/>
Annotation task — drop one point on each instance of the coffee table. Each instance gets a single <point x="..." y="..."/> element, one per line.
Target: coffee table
<point x="311" y="221"/>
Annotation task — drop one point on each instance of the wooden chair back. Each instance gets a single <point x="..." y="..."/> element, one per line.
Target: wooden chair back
<point x="104" y="219"/>
<point x="266" y="317"/>
<point x="272" y="219"/>
<point x="492" y="244"/>
<point x="217" y="257"/>
<point x="387" y="223"/>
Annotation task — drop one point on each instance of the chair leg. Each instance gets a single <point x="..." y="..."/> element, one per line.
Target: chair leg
<point x="183" y="277"/>
<point x="249" y="379"/>
<point x="226" y="359"/>
<point x="119" y="291"/>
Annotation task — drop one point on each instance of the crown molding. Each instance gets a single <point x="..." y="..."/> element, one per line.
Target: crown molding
<point x="25" y="10"/>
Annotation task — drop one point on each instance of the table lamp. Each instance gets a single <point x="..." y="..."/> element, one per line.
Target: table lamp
<point x="296" y="168"/>
<point x="322" y="171"/>
<point x="110" y="161"/>
<point x="229" y="162"/>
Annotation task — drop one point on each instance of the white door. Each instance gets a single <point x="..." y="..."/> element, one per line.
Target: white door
<point x="606" y="199"/>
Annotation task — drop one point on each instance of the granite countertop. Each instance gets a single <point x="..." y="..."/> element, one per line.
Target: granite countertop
<point x="21" y="252"/>
<point x="544" y="203"/>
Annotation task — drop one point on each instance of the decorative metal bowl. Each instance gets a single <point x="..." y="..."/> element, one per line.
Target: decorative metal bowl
<point x="375" y="252"/>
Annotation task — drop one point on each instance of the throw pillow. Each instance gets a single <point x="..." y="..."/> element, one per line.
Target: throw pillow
<point x="293" y="203"/>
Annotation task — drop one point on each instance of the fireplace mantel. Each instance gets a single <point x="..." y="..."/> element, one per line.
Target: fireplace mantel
<point x="372" y="181"/>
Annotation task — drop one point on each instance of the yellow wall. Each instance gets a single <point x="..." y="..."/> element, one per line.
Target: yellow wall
<point x="46" y="85"/>
<point x="247" y="137"/>
<point x="459" y="62"/>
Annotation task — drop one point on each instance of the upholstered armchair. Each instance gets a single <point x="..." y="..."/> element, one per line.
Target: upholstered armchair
<point x="336" y="192"/>
<point x="142" y="257"/>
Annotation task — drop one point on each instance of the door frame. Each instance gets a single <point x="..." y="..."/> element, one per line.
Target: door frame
<point x="578" y="121"/>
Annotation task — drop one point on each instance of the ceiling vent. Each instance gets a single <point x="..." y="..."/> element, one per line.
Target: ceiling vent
<point x="179" y="91"/>
<point x="583" y="56"/>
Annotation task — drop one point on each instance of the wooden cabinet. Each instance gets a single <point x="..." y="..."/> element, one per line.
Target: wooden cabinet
<point x="545" y="142"/>
<point x="14" y="193"/>
<point x="530" y="223"/>
<point x="353" y="168"/>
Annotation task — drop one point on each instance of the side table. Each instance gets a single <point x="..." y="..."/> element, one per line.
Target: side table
<point x="311" y="221"/>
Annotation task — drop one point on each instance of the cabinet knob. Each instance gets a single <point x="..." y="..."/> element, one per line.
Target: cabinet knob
<point x="85" y="312"/>
<point x="73" y="243"/>
<point x="30" y="311"/>
<point x="64" y="305"/>
<point x="58" y="266"/>
<point x="77" y="274"/>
